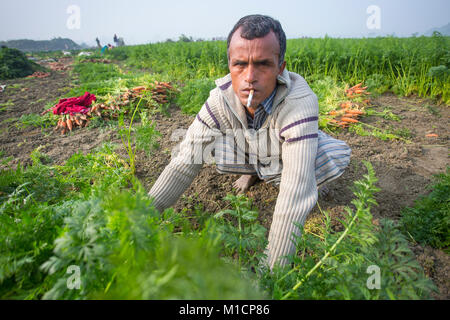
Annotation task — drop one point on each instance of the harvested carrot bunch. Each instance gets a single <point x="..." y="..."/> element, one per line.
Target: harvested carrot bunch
<point x="80" y="114"/>
<point x="39" y="74"/>
<point x="68" y="122"/>
<point x="158" y="92"/>
<point x="352" y="108"/>
<point x="356" y="90"/>
<point x="94" y="60"/>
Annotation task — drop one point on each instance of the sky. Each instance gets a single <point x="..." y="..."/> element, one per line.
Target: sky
<point x="140" y="21"/>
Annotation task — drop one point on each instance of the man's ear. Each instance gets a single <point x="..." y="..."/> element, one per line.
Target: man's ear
<point x="283" y="66"/>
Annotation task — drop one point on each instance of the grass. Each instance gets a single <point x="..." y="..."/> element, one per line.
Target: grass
<point x="428" y="221"/>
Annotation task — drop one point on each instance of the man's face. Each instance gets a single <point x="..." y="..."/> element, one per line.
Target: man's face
<point x="254" y="65"/>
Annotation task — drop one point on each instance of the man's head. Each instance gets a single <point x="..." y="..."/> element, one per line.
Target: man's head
<point x="256" y="48"/>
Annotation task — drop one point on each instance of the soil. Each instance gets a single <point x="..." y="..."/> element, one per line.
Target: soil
<point x="403" y="169"/>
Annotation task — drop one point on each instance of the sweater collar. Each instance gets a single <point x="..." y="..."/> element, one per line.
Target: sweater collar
<point x="226" y="89"/>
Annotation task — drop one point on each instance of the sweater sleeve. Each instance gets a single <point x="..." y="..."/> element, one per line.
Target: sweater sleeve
<point x="298" y="189"/>
<point x="178" y="175"/>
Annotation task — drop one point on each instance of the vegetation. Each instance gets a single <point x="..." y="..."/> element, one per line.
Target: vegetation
<point x="332" y="264"/>
<point x="93" y="216"/>
<point x="428" y="221"/>
<point x="14" y="64"/>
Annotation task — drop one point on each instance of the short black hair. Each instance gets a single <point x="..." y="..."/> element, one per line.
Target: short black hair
<point x="258" y="26"/>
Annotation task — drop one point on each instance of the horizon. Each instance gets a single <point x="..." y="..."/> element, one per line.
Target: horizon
<point x="141" y="22"/>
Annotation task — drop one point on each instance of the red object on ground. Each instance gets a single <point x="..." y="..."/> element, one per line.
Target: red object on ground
<point x="74" y="105"/>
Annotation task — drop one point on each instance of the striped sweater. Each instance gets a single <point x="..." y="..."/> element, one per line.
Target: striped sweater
<point x="292" y="138"/>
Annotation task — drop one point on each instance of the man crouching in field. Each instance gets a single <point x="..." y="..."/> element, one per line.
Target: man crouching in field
<point x="260" y="121"/>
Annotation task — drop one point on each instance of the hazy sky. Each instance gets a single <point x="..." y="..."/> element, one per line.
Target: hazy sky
<point x="140" y="21"/>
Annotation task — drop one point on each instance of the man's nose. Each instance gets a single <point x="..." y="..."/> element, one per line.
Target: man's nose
<point x="251" y="74"/>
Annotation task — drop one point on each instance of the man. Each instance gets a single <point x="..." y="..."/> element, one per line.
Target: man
<point x="273" y="136"/>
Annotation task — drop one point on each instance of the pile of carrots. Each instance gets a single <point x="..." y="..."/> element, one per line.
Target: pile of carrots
<point x="351" y="109"/>
<point x="159" y="92"/>
<point x="39" y="74"/>
<point x="67" y="122"/>
<point x="94" y="60"/>
<point x="58" y="66"/>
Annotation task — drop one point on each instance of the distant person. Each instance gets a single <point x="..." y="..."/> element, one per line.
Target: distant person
<point x="116" y="40"/>
<point x="98" y="43"/>
<point x="261" y="121"/>
<point x="103" y="49"/>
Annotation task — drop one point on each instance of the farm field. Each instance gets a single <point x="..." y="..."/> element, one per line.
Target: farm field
<point x="78" y="198"/>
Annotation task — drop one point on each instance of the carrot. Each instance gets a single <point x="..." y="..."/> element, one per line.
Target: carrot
<point x="355" y="111"/>
<point x="69" y="124"/>
<point x="431" y="135"/>
<point x="349" y="120"/>
<point x="356" y="86"/>
<point x="138" y="89"/>
<point x="346" y="104"/>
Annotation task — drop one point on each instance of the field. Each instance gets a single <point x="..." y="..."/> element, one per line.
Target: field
<point x="78" y="199"/>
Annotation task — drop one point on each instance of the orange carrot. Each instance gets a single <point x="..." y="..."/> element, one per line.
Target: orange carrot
<point x="69" y="124"/>
<point x="355" y="111"/>
<point x="349" y="119"/>
<point x="431" y="135"/>
<point x="356" y="86"/>
<point x="346" y="104"/>
<point x="138" y="89"/>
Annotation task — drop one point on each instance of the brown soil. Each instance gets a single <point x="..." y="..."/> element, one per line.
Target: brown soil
<point x="403" y="169"/>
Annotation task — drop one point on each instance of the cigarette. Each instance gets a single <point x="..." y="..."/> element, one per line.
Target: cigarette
<point x="250" y="98"/>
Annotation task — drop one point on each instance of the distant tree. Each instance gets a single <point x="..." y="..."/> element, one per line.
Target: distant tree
<point x="184" y="38"/>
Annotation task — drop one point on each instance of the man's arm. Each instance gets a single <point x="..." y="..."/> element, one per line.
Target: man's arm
<point x="182" y="169"/>
<point x="298" y="189"/>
